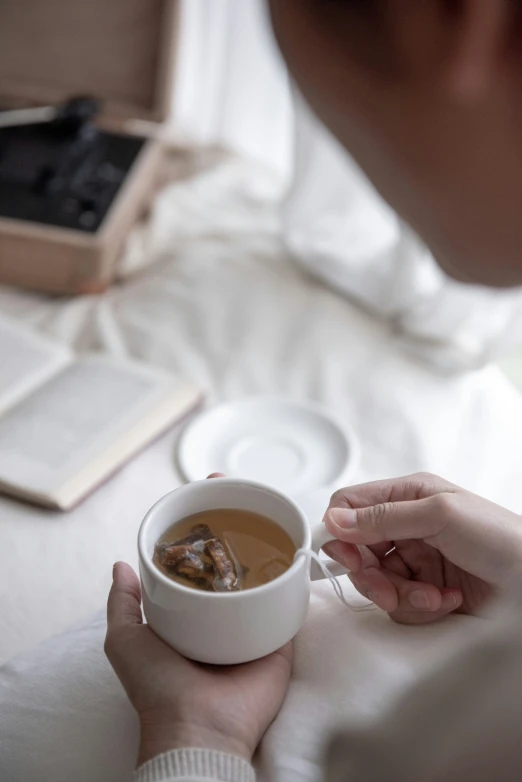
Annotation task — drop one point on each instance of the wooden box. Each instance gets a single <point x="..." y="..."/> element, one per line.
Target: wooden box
<point x="120" y="51"/>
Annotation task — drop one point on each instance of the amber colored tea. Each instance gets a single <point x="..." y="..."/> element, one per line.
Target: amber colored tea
<point x="224" y="550"/>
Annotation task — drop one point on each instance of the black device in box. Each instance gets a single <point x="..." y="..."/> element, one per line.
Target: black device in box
<point x="66" y="172"/>
<point x="71" y="187"/>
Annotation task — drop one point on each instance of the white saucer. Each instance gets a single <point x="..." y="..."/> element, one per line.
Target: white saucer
<point x="296" y="447"/>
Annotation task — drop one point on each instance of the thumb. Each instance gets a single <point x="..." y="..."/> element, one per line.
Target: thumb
<point x="124" y="603"/>
<point x="388" y="521"/>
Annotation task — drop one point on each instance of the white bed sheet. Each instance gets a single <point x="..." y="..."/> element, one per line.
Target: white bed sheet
<point x="63" y="711"/>
<point x="225" y="308"/>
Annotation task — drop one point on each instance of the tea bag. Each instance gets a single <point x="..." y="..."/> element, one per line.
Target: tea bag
<point x="202" y="560"/>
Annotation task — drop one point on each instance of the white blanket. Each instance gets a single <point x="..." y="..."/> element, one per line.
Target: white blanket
<point x="64" y="716"/>
<point x="224" y="307"/>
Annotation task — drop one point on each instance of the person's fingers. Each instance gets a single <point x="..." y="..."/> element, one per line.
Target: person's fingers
<point x="375" y="585"/>
<point x="409" y="602"/>
<point x="474" y="534"/>
<point x="216" y="475"/>
<point x="451" y="600"/>
<point x="353" y="558"/>
<point x="381" y="549"/>
<point x="345" y="554"/>
<point x="416" y="596"/>
<point x="395" y="564"/>
<point x="391" y="521"/>
<point x="424" y="562"/>
<point x="284" y="655"/>
<point x="410" y="487"/>
<point x="124" y="603"/>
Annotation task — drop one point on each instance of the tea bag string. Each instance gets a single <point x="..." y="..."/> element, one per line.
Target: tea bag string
<point x="309" y="554"/>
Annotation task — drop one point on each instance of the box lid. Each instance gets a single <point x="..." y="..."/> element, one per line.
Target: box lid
<point x="121" y="51"/>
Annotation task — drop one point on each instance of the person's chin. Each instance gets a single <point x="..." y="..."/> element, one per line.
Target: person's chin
<point x="493" y="274"/>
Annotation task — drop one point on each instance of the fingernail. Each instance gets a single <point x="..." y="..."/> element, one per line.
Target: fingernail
<point x="454" y="600"/>
<point x="114" y="569"/>
<point x="344" y="518"/>
<point x="419" y="599"/>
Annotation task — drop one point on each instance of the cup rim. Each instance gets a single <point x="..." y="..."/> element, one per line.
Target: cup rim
<point x="146" y="560"/>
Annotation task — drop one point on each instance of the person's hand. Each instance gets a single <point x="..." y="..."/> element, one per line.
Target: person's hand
<point x="420" y="547"/>
<point x="181" y="703"/>
<point x="185" y="704"/>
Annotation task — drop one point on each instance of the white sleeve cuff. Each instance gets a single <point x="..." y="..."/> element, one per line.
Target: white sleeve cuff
<point x="195" y="765"/>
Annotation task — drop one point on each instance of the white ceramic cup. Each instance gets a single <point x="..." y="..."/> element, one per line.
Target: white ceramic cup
<point x="233" y="627"/>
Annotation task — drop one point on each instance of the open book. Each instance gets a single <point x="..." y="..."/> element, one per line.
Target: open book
<point x="66" y="423"/>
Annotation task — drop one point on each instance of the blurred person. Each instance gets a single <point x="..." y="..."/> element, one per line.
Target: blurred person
<point x="426" y="95"/>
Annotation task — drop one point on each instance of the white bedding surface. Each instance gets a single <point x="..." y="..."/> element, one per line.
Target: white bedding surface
<point x="348" y="668"/>
<point x="224" y="308"/>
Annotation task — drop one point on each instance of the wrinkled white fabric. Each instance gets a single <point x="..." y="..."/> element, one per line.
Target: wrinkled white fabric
<point x="63" y="713"/>
<point x="224" y="307"/>
<point x="460" y="722"/>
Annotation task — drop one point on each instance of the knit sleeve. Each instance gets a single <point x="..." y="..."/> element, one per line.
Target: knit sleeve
<point x="195" y="765"/>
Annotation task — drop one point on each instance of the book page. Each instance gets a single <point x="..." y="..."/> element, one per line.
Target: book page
<point x="26" y="361"/>
<point x="52" y="434"/>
